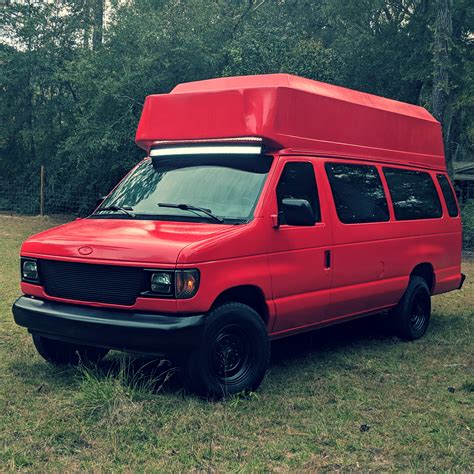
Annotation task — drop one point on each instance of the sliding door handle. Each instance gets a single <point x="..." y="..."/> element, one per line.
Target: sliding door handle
<point x="327" y="259"/>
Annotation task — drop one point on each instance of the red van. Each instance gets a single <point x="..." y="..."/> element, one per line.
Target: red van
<point x="266" y="206"/>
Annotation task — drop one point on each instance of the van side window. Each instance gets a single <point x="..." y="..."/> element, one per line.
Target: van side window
<point x="448" y="194"/>
<point x="413" y="194"/>
<point x="358" y="193"/>
<point x="298" y="181"/>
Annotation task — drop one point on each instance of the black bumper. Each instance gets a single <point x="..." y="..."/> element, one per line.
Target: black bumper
<point x="144" y="333"/>
<point x="463" y="278"/>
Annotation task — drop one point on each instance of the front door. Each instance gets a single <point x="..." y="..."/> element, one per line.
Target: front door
<point x="300" y="256"/>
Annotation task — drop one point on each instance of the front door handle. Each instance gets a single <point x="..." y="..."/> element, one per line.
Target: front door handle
<point x="327" y="259"/>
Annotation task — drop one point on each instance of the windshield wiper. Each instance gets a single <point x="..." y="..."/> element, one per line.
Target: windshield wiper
<point x="124" y="209"/>
<point x="189" y="207"/>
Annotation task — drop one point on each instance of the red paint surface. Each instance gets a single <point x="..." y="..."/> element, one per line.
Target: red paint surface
<point x="290" y="112"/>
<point x="371" y="263"/>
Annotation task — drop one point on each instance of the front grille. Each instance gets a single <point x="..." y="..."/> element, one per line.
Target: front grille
<point x="90" y="282"/>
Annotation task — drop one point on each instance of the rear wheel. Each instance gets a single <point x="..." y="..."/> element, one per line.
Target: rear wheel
<point x="65" y="353"/>
<point x="412" y="314"/>
<point x="233" y="354"/>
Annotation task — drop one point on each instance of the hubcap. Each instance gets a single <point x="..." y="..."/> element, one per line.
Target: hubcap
<point x="231" y="355"/>
<point x="419" y="311"/>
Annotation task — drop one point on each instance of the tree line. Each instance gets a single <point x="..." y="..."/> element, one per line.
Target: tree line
<point x="74" y="73"/>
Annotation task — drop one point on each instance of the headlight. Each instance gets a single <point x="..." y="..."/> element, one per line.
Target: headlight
<point x="180" y="284"/>
<point x="29" y="270"/>
<point x="162" y="282"/>
<point x="187" y="283"/>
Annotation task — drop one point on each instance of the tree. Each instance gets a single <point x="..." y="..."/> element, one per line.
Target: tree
<point x="441" y="62"/>
<point x="73" y="84"/>
<point x="98" y="9"/>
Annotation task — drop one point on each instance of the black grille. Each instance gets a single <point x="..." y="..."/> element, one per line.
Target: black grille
<point x="90" y="282"/>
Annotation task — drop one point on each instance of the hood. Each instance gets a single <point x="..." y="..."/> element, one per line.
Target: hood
<point x="152" y="242"/>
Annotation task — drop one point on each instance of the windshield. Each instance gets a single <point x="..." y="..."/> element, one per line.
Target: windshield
<point x="228" y="186"/>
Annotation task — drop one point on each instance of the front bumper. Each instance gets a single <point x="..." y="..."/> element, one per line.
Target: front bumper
<point x="144" y="333"/>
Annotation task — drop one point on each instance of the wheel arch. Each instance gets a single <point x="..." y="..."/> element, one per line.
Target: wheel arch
<point x="250" y="295"/>
<point x="425" y="270"/>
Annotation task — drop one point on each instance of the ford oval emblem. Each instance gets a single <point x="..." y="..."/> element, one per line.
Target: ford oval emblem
<point x="85" y="250"/>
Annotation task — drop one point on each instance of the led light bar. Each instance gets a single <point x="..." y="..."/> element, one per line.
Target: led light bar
<point x="210" y="141"/>
<point x="207" y="150"/>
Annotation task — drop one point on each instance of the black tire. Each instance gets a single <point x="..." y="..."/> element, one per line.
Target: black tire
<point x="233" y="353"/>
<point x="65" y="353"/>
<point x="412" y="314"/>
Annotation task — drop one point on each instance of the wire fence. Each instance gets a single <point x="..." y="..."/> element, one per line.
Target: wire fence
<point x="29" y="204"/>
<point x="36" y="198"/>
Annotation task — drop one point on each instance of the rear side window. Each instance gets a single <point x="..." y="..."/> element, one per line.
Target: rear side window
<point x="413" y="194"/>
<point x="448" y="195"/>
<point x="299" y="182"/>
<point x="358" y="193"/>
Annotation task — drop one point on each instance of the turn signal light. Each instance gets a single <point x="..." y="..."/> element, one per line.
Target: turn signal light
<point x="187" y="283"/>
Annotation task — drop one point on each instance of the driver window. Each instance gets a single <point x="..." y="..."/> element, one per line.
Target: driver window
<point x="299" y="182"/>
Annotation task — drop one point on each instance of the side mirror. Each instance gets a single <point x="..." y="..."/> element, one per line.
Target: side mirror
<point x="297" y="212"/>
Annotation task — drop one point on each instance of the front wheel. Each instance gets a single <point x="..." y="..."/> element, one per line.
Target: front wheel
<point x="233" y="354"/>
<point x="65" y="353"/>
<point x="412" y="314"/>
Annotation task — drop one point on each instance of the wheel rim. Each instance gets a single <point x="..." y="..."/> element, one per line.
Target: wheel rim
<point x="420" y="309"/>
<point x="231" y="355"/>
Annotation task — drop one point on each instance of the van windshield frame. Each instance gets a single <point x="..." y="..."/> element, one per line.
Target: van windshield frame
<point x="229" y="185"/>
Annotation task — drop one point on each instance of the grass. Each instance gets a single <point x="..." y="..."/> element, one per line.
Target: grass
<point x="350" y="397"/>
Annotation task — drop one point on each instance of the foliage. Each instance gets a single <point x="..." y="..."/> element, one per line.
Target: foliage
<point x="71" y="98"/>
<point x="467" y="213"/>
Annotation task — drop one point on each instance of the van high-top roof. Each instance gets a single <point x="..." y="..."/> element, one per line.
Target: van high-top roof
<point x="294" y="115"/>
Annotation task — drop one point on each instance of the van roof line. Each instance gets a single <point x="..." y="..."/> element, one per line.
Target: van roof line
<point x="290" y="112"/>
<point x="412" y="160"/>
<point x="311" y="86"/>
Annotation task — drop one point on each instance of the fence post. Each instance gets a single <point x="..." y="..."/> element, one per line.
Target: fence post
<point x="42" y="190"/>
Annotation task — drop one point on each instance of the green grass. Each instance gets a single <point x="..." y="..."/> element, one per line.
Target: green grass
<point x="132" y="414"/>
